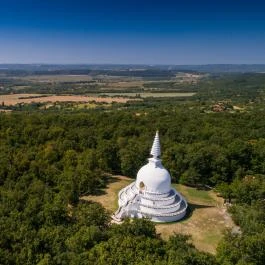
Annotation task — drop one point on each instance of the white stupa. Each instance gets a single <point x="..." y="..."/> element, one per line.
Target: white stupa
<point x="151" y="195"/>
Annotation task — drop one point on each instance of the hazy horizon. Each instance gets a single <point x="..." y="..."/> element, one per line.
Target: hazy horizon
<point x="123" y="64"/>
<point x="132" y="32"/>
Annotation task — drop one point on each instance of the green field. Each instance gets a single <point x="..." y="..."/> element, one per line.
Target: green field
<point x="196" y="195"/>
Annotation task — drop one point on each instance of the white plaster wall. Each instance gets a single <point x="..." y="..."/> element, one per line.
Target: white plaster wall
<point x="172" y="209"/>
<point x="165" y="219"/>
<point x="161" y="209"/>
<point x="159" y="202"/>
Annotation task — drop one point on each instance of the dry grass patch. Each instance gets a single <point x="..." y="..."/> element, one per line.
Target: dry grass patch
<point x="150" y="94"/>
<point x="206" y="220"/>
<point x="13" y="99"/>
<point x="109" y="198"/>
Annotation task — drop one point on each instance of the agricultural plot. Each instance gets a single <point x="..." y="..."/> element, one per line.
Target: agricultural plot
<point x="13" y="99"/>
<point x="150" y="94"/>
<point x="55" y="78"/>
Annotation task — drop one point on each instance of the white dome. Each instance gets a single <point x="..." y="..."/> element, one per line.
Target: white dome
<point x="151" y="194"/>
<point x="154" y="177"/>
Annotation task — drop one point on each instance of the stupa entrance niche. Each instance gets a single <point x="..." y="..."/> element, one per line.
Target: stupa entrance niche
<point x="142" y="186"/>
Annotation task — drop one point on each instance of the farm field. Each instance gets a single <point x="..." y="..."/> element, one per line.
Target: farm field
<point x="150" y="94"/>
<point x="13" y="99"/>
<point x="206" y="221"/>
<point x="55" y="78"/>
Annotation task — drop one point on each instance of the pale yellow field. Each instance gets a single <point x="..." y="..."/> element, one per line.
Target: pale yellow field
<point x="13" y="99"/>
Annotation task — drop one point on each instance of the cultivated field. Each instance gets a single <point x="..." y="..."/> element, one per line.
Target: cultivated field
<point x="205" y="222"/>
<point x="13" y="99"/>
<point x="104" y="82"/>
<point x="150" y="94"/>
<point x="55" y="78"/>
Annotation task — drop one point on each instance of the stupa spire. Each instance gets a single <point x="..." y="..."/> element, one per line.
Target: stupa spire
<point x="156" y="150"/>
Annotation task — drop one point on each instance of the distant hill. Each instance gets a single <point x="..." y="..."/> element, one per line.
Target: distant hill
<point x="85" y="68"/>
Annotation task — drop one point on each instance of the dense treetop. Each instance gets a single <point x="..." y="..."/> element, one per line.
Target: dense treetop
<point x="48" y="159"/>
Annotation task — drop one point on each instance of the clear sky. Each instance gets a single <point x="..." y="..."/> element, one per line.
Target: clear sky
<point x="135" y="31"/>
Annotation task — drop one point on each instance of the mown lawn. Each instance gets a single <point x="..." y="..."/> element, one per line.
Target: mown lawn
<point x="194" y="194"/>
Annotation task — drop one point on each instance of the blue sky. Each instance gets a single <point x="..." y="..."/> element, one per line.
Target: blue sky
<point x="123" y="32"/>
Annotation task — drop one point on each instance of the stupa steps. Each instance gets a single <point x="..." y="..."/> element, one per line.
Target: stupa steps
<point x="172" y="205"/>
<point x="158" y="207"/>
<point x="117" y="216"/>
<point x="182" y="210"/>
<point x="183" y="207"/>
<point x="175" y="204"/>
<point x="132" y="189"/>
<point x="161" y="197"/>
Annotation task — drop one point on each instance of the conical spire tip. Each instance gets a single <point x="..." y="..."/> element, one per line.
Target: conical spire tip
<point x="156" y="150"/>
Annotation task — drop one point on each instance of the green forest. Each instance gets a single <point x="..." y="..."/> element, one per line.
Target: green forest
<point x="50" y="158"/>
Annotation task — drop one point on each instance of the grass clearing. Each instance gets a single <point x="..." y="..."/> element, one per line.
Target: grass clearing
<point x="195" y="195"/>
<point x="109" y="196"/>
<point x="205" y="222"/>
